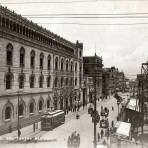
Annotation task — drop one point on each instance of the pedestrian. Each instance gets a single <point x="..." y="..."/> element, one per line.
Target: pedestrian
<point x="112" y="123"/>
<point x="112" y="108"/>
<point x="98" y="137"/>
<point x="108" y="131"/>
<point x="78" y="139"/>
<point x="101" y="107"/>
<point x="104" y="142"/>
<point x="19" y="133"/>
<point x="105" y="133"/>
<point x="69" y="141"/>
<point x="102" y="133"/>
<point x="10" y="129"/>
<point x="67" y="111"/>
<point x="112" y="130"/>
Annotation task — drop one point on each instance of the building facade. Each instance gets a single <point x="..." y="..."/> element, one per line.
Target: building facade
<point x="92" y="67"/>
<point x="39" y="71"/>
<point x="113" y="80"/>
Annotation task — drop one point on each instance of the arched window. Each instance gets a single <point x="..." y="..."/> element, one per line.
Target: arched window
<point x="48" y="103"/>
<point x="22" y="57"/>
<point x="31" y="107"/>
<point x="71" y="81"/>
<point x="9" y="54"/>
<point x="49" y="62"/>
<point x="62" y="82"/>
<point x="75" y="67"/>
<point x="80" y="53"/>
<point x="75" y="81"/>
<point x="21" y="109"/>
<point x="80" y="68"/>
<point x="32" y="59"/>
<point x="48" y="81"/>
<point x="8" y="113"/>
<point x="56" y="63"/>
<point x="56" y="82"/>
<point x="41" y="60"/>
<point x="62" y="64"/>
<point x="67" y="65"/>
<point x="9" y="78"/>
<point x="41" y="80"/>
<point x="71" y="66"/>
<point x="21" y="80"/>
<point x="66" y="81"/>
<point x="32" y="80"/>
<point x="40" y="105"/>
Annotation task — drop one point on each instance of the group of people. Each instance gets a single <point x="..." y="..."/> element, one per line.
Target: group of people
<point x="103" y="133"/>
<point x="74" y="108"/>
<point x="107" y="131"/>
<point x="73" y="140"/>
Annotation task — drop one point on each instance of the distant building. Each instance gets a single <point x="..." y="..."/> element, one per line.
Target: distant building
<point x="113" y="81"/>
<point x="106" y="83"/>
<point x="121" y="82"/>
<point x="41" y="68"/>
<point x="92" y="66"/>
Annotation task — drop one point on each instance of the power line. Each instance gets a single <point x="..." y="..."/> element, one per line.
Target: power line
<point x="89" y="17"/>
<point x="85" y="14"/>
<point x="47" y="2"/>
<point x="96" y="24"/>
<point x="61" y="2"/>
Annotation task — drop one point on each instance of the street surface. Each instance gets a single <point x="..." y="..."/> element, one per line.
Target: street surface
<point x="83" y="126"/>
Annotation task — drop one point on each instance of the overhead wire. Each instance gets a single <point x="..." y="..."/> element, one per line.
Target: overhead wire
<point x="94" y="24"/>
<point x="61" y="2"/>
<point x="46" y="2"/>
<point x="83" y="14"/>
<point x="90" y="17"/>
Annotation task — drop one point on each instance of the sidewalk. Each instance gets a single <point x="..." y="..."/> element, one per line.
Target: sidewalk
<point x="28" y="130"/>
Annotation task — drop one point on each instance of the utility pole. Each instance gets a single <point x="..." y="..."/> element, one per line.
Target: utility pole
<point x="18" y="124"/>
<point x="143" y="89"/>
<point x="95" y="140"/>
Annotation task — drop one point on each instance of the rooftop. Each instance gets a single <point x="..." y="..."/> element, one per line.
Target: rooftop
<point x="4" y="11"/>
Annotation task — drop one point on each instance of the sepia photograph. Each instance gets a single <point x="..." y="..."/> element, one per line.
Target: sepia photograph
<point x="73" y="73"/>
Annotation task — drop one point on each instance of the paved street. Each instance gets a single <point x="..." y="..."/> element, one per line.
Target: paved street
<point x="83" y="126"/>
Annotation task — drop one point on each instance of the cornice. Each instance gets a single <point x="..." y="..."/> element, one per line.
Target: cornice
<point x="25" y="22"/>
<point x="25" y="41"/>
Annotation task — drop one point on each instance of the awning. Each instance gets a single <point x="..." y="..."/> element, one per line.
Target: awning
<point x="133" y="105"/>
<point x="123" y="129"/>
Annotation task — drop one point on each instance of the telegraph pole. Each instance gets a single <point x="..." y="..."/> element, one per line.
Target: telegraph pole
<point x="142" y="91"/>
<point x="18" y="124"/>
<point x="95" y="140"/>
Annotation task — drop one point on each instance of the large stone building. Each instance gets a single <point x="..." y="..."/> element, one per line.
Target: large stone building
<point x="38" y="68"/>
<point x="92" y="67"/>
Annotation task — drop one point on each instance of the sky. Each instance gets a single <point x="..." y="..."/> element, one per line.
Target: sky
<point x="122" y="46"/>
